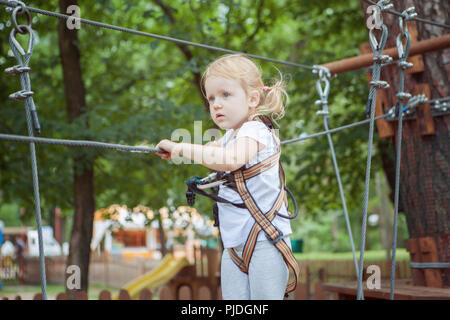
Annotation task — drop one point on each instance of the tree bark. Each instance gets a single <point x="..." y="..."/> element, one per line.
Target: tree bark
<point x="83" y="165"/>
<point x="425" y="176"/>
<point x="385" y="213"/>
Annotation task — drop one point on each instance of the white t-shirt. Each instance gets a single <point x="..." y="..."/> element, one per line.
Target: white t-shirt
<point x="236" y="223"/>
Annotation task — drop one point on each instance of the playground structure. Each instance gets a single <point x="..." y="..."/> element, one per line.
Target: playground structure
<point x="430" y="260"/>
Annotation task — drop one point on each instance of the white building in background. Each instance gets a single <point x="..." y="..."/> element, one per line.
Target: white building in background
<point x="51" y="246"/>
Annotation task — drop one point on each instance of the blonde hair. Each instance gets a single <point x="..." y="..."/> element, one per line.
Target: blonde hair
<point x="239" y="67"/>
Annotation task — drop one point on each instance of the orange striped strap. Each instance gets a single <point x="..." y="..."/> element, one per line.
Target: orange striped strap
<point x="264" y="223"/>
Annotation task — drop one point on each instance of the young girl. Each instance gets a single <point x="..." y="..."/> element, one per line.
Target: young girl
<point x="256" y="241"/>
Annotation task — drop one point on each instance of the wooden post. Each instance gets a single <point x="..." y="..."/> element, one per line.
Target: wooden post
<point x="301" y="292"/>
<point x="365" y="60"/>
<point x="416" y="256"/>
<point x="81" y="295"/>
<point x="319" y="292"/>
<point x="417" y="60"/>
<point x="104" y="295"/>
<point x="124" y="295"/>
<point x="425" y="121"/>
<point x="145" y="294"/>
<point x="184" y="293"/>
<point x="429" y="254"/>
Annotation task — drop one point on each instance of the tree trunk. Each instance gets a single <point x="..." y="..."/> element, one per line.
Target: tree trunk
<point x="83" y="167"/>
<point x="424" y="180"/>
<point x="385" y="213"/>
<point x="162" y="237"/>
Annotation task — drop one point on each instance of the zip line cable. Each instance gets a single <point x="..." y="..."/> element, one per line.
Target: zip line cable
<point x="152" y="35"/>
<point x="439" y="24"/>
<point x="144" y="149"/>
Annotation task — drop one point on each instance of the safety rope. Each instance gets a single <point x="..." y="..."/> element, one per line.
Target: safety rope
<point x="143" y="149"/>
<point x="416" y="18"/>
<point x="323" y="76"/>
<point x="23" y="58"/>
<point x="375" y="84"/>
<point x="79" y="143"/>
<point x="402" y="98"/>
<point x="153" y="35"/>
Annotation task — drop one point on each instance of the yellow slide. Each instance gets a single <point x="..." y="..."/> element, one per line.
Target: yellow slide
<point x="165" y="271"/>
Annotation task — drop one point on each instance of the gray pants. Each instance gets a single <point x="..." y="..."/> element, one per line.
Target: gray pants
<point x="266" y="279"/>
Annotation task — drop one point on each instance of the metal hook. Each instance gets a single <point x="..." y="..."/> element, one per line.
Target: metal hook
<point x="323" y="74"/>
<point x="403" y="52"/>
<point x="378" y="47"/>
<point x="16" y="3"/>
<point x="13" y="40"/>
<point x="16" y="10"/>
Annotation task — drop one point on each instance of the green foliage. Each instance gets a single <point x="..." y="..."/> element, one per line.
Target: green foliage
<point x="139" y="90"/>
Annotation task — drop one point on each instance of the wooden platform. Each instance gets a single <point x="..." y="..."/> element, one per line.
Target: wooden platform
<point x="404" y="290"/>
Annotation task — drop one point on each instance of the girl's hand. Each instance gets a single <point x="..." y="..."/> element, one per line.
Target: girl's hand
<point x="170" y="147"/>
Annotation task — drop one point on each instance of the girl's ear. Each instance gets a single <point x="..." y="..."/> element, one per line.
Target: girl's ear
<point x="253" y="98"/>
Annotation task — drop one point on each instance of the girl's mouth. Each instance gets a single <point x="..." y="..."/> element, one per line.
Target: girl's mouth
<point x="219" y="115"/>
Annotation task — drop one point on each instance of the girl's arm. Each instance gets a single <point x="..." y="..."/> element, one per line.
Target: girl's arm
<point x="212" y="156"/>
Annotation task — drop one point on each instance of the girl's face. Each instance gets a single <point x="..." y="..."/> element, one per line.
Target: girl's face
<point x="229" y="105"/>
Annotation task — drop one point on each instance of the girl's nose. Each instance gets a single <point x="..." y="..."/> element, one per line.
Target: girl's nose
<point x="217" y="104"/>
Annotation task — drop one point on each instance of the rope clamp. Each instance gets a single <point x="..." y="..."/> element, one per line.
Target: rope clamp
<point x="408" y="14"/>
<point x="21" y="95"/>
<point x="16" y="70"/>
<point x="403" y="95"/>
<point x="321" y="102"/>
<point x="405" y="65"/>
<point x="385" y="5"/>
<point x="379" y="84"/>
<point x="441" y="107"/>
<point x="321" y="71"/>
<point x="382" y="59"/>
<point x="322" y="113"/>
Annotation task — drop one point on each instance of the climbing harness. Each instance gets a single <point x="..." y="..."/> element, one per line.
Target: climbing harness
<point x="23" y="58"/>
<point x="236" y="180"/>
<point x="323" y="76"/>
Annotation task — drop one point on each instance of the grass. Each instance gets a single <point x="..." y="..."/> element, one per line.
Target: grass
<point x="370" y="255"/>
<point x="52" y="290"/>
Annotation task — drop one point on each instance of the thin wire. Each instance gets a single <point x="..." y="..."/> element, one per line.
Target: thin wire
<point x="315" y="135"/>
<point x="439" y="24"/>
<point x="156" y="36"/>
<point x="25" y="82"/>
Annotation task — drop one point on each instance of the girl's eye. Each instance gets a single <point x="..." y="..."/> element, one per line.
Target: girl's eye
<point x="211" y="99"/>
<point x="226" y="94"/>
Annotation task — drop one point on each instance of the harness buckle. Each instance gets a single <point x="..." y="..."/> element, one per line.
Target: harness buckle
<point x="277" y="239"/>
